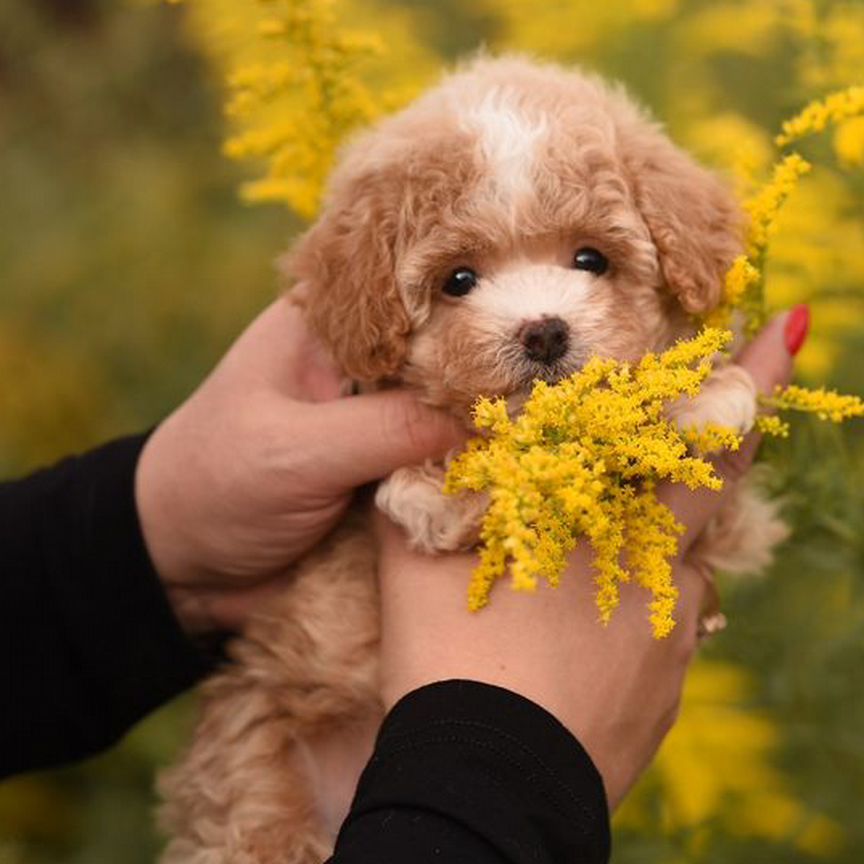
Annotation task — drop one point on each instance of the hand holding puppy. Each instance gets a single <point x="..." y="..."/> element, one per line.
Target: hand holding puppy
<point x="616" y="687"/>
<point x="259" y="464"/>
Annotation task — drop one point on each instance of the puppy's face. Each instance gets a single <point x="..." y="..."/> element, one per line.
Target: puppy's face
<point x="502" y="319"/>
<point x="505" y="228"/>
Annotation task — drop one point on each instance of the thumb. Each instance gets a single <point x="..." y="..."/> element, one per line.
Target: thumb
<point x="768" y="359"/>
<point x="364" y="438"/>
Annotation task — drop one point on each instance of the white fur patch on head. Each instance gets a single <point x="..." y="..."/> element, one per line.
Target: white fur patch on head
<point x="508" y="140"/>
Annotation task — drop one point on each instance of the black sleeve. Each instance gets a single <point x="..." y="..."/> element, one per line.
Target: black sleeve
<point x="467" y="772"/>
<point x="88" y="643"/>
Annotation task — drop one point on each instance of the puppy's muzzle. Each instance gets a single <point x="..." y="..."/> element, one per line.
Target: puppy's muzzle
<point x="545" y="341"/>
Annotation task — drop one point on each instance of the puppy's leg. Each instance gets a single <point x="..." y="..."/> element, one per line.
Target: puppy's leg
<point x="241" y="794"/>
<point x="433" y="521"/>
<point x="742" y="538"/>
<point x="288" y="725"/>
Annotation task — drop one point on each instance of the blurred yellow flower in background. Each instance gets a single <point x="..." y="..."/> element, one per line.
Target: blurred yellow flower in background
<point x="719" y="727"/>
<point x="733" y="143"/>
<point x="849" y="142"/>
<point x="562" y="28"/>
<point x="301" y="76"/>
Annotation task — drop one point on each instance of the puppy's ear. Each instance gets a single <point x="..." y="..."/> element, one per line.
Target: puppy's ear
<point x="693" y="219"/>
<point x="347" y="264"/>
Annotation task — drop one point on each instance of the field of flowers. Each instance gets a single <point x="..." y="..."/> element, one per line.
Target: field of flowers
<point x="128" y="261"/>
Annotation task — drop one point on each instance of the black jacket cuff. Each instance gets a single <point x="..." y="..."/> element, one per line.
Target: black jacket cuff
<point x="496" y="774"/>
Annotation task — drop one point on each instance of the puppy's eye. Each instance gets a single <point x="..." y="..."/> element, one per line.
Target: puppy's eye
<point x="590" y="259"/>
<point x="460" y="282"/>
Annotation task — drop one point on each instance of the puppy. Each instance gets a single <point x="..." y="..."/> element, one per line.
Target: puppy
<point x="510" y="224"/>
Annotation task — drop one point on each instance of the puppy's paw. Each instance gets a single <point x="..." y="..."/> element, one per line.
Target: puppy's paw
<point x="727" y="398"/>
<point x="434" y="522"/>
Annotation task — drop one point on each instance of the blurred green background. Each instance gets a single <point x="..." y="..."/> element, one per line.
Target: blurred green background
<point x="127" y="265"/>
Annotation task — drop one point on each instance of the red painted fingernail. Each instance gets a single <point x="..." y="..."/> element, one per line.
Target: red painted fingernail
<point x="797" y="326"/>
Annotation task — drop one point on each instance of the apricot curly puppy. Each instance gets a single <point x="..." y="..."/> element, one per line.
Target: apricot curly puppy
<point x="510" y="224"/>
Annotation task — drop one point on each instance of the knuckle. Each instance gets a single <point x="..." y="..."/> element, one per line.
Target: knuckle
<point x="406" y="423"/>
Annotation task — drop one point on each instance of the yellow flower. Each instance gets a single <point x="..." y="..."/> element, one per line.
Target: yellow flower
<point x="771" y="424"/>
<point x="741" y="278"/>
<point x="712" y="438"/>
<point x="825" y="404"/>
<point x="744" y="289"/>
<point x="818" y="115"/>
<point x="718" y="726"/>
<point x="764" y="206"/>
<point x="300" y="79"/>
<point x="582" y="460"/>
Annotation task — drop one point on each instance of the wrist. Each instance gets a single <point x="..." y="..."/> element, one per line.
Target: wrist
<point x="161" y="529"/>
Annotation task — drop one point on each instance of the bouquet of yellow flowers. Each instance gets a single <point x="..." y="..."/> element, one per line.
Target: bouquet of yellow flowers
<point x="582" y="460"/>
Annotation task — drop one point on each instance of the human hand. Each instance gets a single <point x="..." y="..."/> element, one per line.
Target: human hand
<point x="260" y="462"/>
<point x="616" y="688"/>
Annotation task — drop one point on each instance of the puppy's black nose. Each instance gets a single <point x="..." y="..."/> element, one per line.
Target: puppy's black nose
<point x="546" y="340"/>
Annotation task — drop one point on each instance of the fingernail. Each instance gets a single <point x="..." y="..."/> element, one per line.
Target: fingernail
<point x="797" y="326"/>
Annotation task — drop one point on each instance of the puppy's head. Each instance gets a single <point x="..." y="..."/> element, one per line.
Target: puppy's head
<point x="506" y="227"/>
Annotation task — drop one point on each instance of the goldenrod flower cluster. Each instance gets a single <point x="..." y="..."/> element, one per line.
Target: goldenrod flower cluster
<point x="744" y="280"/>
<point x="582" y="459"/>
<point x="825" y="404"/>
<point x="300" y="76"/>
<point x="741" y="281"/>
<point x="818" y="115"/>
<point x="744" y="289"/>
<point x="771" y="424"/>
<point x="763" y="207"/>
<point x="315" y="71"/>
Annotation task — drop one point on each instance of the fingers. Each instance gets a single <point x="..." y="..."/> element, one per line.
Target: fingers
<point x="364" y="438"/>
<point x="769" y="360"/>
<point x="348" y="441"/>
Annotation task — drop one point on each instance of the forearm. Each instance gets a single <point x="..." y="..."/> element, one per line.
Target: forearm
<point x="464" y="771"/>
<point x="90" y="642"/>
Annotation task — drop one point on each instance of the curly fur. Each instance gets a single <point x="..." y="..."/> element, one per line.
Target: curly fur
<point x="507" y="167"/>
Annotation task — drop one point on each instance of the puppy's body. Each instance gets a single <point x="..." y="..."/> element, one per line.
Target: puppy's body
<point x="509" y="225"/>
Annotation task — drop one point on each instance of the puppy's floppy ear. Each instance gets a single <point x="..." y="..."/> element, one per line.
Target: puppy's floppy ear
<point x="693" y="219"/>
<point x="347" y="263"/>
